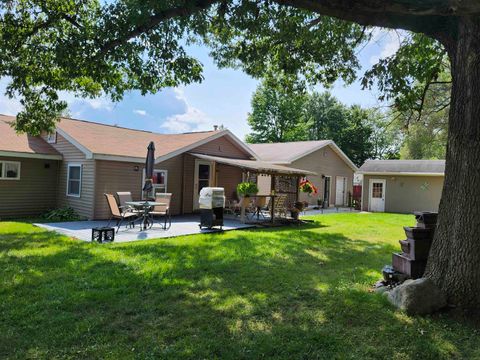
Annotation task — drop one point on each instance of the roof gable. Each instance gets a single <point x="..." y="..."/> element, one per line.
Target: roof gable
<point x="288" y="152"/>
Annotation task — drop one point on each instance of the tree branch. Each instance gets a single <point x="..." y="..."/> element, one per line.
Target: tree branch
<point x="155" y="20"/>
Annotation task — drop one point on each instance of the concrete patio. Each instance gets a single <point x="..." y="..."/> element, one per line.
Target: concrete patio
<point x="181" y="225"/>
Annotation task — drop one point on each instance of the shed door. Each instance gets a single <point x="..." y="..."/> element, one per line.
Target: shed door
<point x="341" y="191"/>
<point x="377" y="195"/>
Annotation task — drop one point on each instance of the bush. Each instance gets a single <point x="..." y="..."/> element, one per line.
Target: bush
<point x="247" y="189"/>
<point x="63" y="214"/>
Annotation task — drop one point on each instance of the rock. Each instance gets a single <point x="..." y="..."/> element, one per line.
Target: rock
<point x="418" y="297"/>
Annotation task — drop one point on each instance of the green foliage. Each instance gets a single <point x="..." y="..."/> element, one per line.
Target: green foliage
<point x="63" y="214"/>
<point x="277" y="112"/>
<point x="306" y="188"/>
<point x="247" y="188"/>
<point x="283" y="293"/>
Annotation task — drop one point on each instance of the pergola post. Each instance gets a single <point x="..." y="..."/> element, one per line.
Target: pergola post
<point x="272" y="190"/>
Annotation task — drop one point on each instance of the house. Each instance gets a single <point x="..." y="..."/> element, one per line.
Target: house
<point x="334" y="170"/>
<point x="402" y="186"/>
<point x="82" y="160"/>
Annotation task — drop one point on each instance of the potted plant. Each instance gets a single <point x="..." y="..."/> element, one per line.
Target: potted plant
<point x="246" y="189"/>
<point x="297" y="209"/>
<point x="306" y="187"/>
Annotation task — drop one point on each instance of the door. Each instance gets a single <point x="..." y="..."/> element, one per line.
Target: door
<point x="203" y="178"/>
<point x="341" y="191"/>
<point x="326" y="191"/>
<point x="377" y="195"/>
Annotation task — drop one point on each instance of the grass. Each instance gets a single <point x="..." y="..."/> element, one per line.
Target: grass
<point x="285" y="293"/>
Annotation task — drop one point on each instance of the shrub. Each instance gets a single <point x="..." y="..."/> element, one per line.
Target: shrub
<point x="63" y="214"/>
<point x="247" y="189"/>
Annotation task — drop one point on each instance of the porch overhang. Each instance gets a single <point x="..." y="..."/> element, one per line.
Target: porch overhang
<point x="257" y="166"/>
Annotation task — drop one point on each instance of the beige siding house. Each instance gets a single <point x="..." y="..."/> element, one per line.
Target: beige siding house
<point x="81" y="161"/>
<point x="334" y="170"/>
<point x="402" y="186"/>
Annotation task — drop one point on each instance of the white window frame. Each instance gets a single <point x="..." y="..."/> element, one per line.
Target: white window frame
<point x="52" y="137"/>
<point x="3" y="175"/>
<point x="155" y="170"/>
<point x="80" y="180"/>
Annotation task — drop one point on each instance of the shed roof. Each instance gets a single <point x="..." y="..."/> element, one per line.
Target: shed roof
<point x="23" y="145"/>
<point x="256" y="165"/>
<point x="405" y="167"/>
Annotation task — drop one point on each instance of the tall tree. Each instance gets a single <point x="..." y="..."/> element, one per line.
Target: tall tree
<point x="277" y="113"/>
<point x="88" y="48"/>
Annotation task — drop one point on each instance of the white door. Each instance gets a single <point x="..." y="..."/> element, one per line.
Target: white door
<point x="377" y="195"/>
<point x="203" y="178"/>
<point x="341" y="191"/>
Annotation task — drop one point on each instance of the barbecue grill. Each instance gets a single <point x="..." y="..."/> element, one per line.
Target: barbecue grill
<point x="211" y="202"/>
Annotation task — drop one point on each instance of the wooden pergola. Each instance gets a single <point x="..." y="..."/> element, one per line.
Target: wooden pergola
<point x="260" y="168"/>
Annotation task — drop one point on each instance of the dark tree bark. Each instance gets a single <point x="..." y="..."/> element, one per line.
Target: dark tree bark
<point x="455" y="254"/>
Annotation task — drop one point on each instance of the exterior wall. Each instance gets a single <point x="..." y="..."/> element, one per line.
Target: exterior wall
<point x="228" y="177"/>
<point x="406" y="194"/>
<point x="114" y="176"/>
<point x="324" y="162"/>
<point x="83" y="205"/>
<point x="222" y="146"/>
<point x="34" y="193"/>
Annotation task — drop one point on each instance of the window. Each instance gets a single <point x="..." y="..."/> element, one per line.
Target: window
<point x="74" y="180"/>
<point x="52" y="138"/>
<point x="9" y="170"/>
<point x="159" y="181"/>
<point x="377" y="190"/>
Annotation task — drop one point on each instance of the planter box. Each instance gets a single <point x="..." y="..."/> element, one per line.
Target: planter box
<point x="410" y="267"/>
<point x="417" y="233"/>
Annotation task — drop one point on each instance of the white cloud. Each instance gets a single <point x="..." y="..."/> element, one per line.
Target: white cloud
<point x="140" y="112"/>
<point x="390" y="41"/>
<point x="192" y="119"/>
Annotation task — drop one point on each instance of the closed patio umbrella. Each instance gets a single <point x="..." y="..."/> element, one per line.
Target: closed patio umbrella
<point x="149" y="165"/>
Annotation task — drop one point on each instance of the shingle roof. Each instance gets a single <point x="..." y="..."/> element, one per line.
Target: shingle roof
<point x="120" y="141"/>
<point x="286" y="152"/>
<point x="404" y="166"/>
<point x="10" y="141"/>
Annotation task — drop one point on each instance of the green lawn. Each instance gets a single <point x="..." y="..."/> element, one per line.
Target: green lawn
<point x="287" y="293"/>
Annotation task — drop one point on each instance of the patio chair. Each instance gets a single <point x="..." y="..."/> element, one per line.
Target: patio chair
<point x="117" y="214"/>
<point x="163" y="210"/>
<point x="232" y="207"/>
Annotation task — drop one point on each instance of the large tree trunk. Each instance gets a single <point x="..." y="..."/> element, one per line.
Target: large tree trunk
<point x="454" y="262"/>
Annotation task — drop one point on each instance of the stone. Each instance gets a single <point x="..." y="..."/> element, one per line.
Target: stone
<point x="418" y="297"/>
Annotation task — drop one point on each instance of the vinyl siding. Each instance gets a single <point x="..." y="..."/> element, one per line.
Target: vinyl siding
<point x="406" y="194"/>
<point x="222" y="146"/>
<point x="83" y="205"/>
<point x="114" y="176"/>
<point x="34" y="193"/>
<point x="228" y="177"/>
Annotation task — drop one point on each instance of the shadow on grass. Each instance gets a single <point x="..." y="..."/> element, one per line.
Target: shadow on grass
<point x="282" y="292"/>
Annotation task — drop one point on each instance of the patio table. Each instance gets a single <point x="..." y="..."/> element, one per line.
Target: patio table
<point x="145" y="207"/>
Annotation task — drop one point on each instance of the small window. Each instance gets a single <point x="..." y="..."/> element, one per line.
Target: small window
<point x="159" y="181"/>
<point x="74" y="180"/>
<point x="10" y="170"/>
<point x="52" y="138"/>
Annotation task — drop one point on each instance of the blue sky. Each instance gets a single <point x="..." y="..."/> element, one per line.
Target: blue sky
<point x="222" y="98"/>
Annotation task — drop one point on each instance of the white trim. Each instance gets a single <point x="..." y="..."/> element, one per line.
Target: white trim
<point x="158" y="170"/>
<point x="196" y="180"/>
<point x="370" y="188"/>
<point x="70" y="139"/>
<point x="69" y="165"/>
<point x="370" y="173"/>
<point x="30" y="155"/>
<point x="215" y="136"/>
<point x="2" y="174"/>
